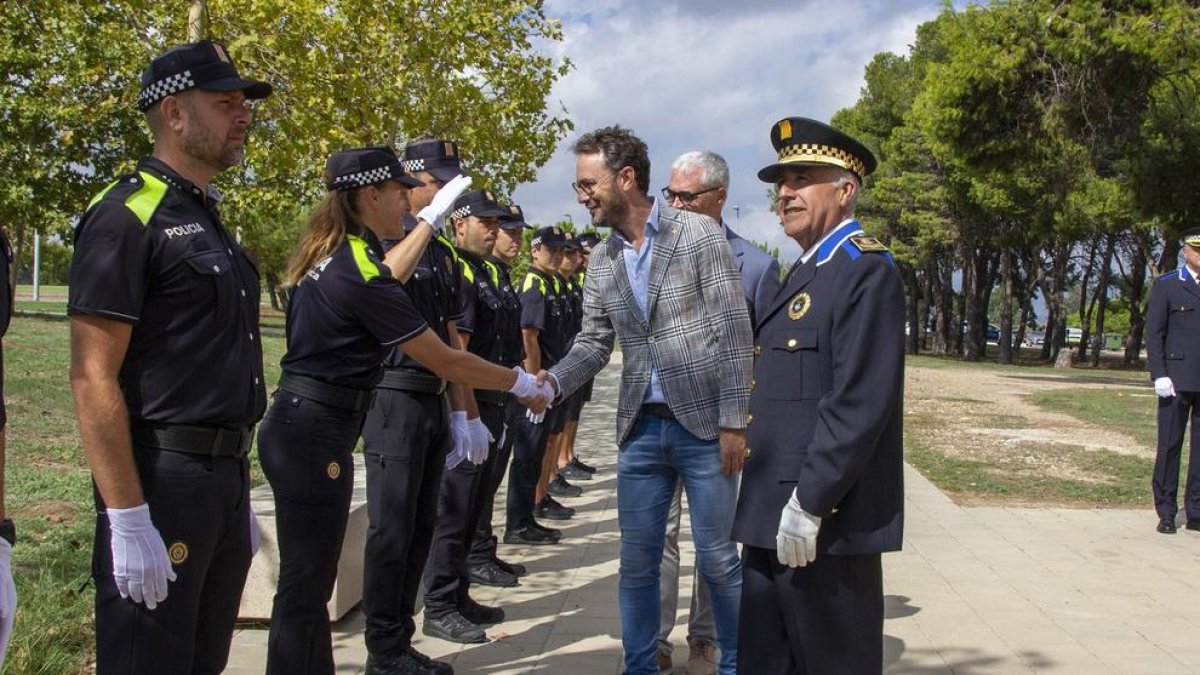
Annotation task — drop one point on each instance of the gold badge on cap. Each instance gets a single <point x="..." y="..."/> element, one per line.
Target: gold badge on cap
<point x="221" y="54"/>
<point x="785" y="130"/>
<point x="178" y="553"/>
<point x="489" y="196"/>
<point x="449" y="149"/>
<point x="799" y="305"/>
<point x="333" y="470"/>
<point x="513" y="210"/>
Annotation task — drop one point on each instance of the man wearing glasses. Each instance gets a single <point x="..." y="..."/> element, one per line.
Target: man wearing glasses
<point x="700" y="183"/>
<point x="665" y="285"/>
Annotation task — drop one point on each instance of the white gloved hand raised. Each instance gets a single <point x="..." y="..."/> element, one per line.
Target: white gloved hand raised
<point x="443" y="200"/>
<point x="462" y="439"/>
<point x="1164" y="387"/>
<point x="796" y="541"/>
<point x="480" y="438"/>
<point x="141" y="567"/>
<point x="8" y="597"/>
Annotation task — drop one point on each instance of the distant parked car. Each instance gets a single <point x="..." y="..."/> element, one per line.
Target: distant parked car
<point x="1035" y="338"/>
<point x="993" y="333"/>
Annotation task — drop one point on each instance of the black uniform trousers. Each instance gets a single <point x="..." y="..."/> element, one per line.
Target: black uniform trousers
<point x="199" y="506"/>
<point x="1173" y="416"/>
<point x="822" y="619"/>
<point x="484" y="541"/>
<point x="406" y="438"/>
<point x="305" y="448"/>
<point x="460" y="505"/>
<point x="529" y="446"/>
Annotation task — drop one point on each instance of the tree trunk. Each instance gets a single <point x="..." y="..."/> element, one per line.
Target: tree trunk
<point x="1102" y="296"/>
<point x="1006" y="307"/>
<point x="912" y="295"/>
<point x="970" y="304"/>
<point x="1056" y="298"/>
<point x="197" y="23"/>
<point x="1137" y="289"/>
<point x="1085" y="318"/>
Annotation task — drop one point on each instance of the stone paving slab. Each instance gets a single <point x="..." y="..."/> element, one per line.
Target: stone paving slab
<point x="975" y="591"/>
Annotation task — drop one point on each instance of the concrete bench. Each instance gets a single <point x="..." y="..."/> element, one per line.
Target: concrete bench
<point x="264" y="570"/>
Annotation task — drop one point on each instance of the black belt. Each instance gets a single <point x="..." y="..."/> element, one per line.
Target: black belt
<point x="407" y="379"/>
<point x="193" y="439"/>
<point x="355" y="400"/>
<point x="660" y="410"/>
<point x="492" y="397"/>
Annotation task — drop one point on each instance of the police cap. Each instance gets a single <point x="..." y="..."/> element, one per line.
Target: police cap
<point x="571" y="244"/>
<point x="360" y="167"/>
<point x="804" y="142"/>
<point x="548" y="236"/>
<point x="478" y="203"/>
<point x="195" y="65"/>
<point x="1190" y="237"/>
<point x="513" y="218"/>
<point x="438" y="157"/>
<point x="588" y="240"/>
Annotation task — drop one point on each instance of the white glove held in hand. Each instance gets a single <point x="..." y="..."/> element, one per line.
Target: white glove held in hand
<point x="443" y="200"/>
<point x="796" y="541"/>
<point x="1164" y="387"/>
<point x="462" y="439"/>
<point x="535" y="418"/>
<point x="141" y="567"/>
<point x="480" y="437"/>
<point x="8" y="597"/>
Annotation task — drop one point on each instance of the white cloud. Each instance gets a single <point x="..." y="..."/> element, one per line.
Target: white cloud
<point x="707" y="74"/>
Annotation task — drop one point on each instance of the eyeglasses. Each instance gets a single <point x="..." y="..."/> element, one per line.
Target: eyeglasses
<point x="684" y="196"/>
<point x="588" y="186"/>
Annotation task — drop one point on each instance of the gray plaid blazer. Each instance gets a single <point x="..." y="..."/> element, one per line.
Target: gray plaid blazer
<point x="698" y="334"/>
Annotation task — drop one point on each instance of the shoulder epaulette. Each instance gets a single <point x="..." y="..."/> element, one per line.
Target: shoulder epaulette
<point x="530" y="277"/>
<point x="468" y="273"/>
<point x="142" y="193"/>
<point x="362" y="258"/>
<point x="868" y="244"/>
<point x="493" y="272"/>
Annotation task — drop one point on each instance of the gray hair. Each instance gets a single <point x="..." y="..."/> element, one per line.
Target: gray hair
<point x="713" y="169"/>
<point x="847" y="177"/>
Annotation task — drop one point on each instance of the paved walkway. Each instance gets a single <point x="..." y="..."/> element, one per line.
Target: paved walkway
<point x="976" y="590"/>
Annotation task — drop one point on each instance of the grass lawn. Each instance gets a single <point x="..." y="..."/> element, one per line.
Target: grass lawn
<point x="49" y="496"/>
<point x="1110" y="407"/>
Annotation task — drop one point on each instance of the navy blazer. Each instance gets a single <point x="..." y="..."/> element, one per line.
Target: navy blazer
<point x="1173" y="330"/>
<point x="826" y="402"/>
<point x="759" y="271"/>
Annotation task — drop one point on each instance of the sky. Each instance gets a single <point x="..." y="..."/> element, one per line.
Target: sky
<point x="716" y="75"/>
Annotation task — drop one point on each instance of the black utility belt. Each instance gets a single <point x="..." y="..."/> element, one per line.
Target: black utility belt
<point x="407" y="379"/>
<point x="348" y="398"/>
<point x="492" y="397"/>
<point x="193" y="439"/>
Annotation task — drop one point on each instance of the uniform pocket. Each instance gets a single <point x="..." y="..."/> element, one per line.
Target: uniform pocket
<point x="790" y="368"/>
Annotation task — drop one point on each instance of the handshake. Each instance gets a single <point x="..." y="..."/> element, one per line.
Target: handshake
<point x="534" y="392"/>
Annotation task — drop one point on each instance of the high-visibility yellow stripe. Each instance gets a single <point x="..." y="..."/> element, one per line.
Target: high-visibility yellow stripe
<point x="530" y="277"/>
<point x="468" y="273"/>
<point x="494" y="272"/>
<point x="101" y="194"/>
<point x="145" y="201"/>
<point x="366" y="266"/>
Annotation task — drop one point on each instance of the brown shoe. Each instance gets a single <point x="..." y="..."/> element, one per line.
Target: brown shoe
<point x="664" y="661"/>
<point x="702" y="658"/>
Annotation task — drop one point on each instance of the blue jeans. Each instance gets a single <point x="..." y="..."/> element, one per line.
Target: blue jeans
<point x="657" y="454"/>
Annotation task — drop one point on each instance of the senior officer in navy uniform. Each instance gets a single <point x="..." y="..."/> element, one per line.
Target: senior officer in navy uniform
<point x="1172" y="331"/>
<point x="167" y="374"/>
<point x="8" y="531"/>
<point x="822" y="489"/>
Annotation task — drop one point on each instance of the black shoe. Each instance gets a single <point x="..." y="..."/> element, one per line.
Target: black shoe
<point x="552" y="510"/>
<point x="453" y="627"/>
<point x="410" y="662"/>
<point x="559" y="487"/>
<point x="581" y="466"/>
<point x="1193" y="524"/>
<point x="516" y="569"/>
<point x="552" y="531"/>
<point x="573" y="472"/>
<point x="480" y="615"/>
<point x="1166" y="525"/>
<point x="529" y="534"/>
<point x="491" y="574"/>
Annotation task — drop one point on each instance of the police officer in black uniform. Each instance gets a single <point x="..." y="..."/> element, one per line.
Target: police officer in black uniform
<point x="166" y="369"/>
<point x="8" y="531"/>
<point x="1172" y="331"/>
<point x="544" y="331"/>
<point x="575" y="468"/>
<point x="571" y="272"/>
<point x="450" y="612"/>
<point x="485" y="567"/>
<point x="822" y="488"/>
<point x="551" y="484"/>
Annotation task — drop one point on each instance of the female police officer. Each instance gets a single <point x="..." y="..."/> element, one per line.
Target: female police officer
<point x="346" y="312"/>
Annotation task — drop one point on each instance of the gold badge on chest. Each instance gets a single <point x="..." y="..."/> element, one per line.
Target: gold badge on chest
<point x="799" y="305"/>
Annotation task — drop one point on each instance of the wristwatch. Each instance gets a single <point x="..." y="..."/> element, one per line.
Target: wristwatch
<point x="8" y="531"/>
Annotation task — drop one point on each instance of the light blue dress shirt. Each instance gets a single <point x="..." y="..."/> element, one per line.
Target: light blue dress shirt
<point x="637" y="268"/>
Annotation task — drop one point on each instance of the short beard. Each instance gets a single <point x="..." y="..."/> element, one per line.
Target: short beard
<point x="200" y="143"/>
<point x="613" y="212"/>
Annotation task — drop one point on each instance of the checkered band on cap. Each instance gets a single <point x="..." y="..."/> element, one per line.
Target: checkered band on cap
<point x="461" y="212"/>
<point x="362" y="178"/>
<point x="823" y="154"/>
<point x="165" y="87"/>
<point x="411" y="165"/>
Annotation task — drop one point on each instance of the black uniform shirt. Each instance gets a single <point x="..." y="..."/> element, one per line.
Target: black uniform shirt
<point x="575" y="289"/>
<point x="151" y="251"/>
<point x="483" y="309"/>
<point x="434" y="288"/>
<point x="542" y="310"/>
<point x="346" y="315"/>
<point x="514" y="346"/>
<point x="6" y="288"/>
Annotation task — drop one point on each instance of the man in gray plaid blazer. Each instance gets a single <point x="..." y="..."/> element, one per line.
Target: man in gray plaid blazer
<point x="665" y="285"/>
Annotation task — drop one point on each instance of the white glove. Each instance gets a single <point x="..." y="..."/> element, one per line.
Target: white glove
<point x="535" y="418"/>
<point x="443" y="200"/>
<point x="480" y="437"/>
<point x="8" y="597"/>
<point x="1164" y="387"/>
<point x="253" y="531"/>
<point x="141" y="567"/>
<point x="462" y="439"/>
<point x="796" y="541"/>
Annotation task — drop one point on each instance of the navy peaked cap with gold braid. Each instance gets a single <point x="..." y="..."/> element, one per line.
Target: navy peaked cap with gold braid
<point x="1190" y="237"/>
<point x="805" y="142"/>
